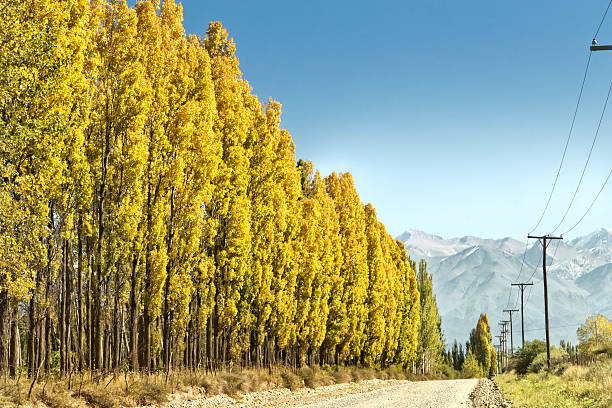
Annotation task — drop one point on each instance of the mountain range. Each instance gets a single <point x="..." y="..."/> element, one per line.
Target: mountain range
<point x="472" y="275"/>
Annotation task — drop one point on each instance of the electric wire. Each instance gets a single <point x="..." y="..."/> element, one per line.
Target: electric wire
<point x="587" y="160"/>
<point x="592" y="204"/>
<point x="520" y="271"/>
<point x="569" y="136"/>
<point x="557" y="327"/>
<point x="536" y="268"/>
<point x="602" y="19"/>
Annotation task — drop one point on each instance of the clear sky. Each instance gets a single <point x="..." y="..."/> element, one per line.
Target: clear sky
<point x="451" y="116"/>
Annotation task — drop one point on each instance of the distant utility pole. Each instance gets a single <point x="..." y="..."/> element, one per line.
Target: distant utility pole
<point x="544" y="239"/>
<point x="522" y="286"/>
<point x="504" y="324"/>
<point x="510" y="311"/>
<point x="500" y="358"/>
<point x="497" y="347"/>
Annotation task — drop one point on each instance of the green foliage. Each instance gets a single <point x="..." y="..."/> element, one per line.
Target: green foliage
<point x="471" y="367"/>
<point x="525" y="356"/>
<point x="430" y="342"/>
<point x="595" y="335"/>
<point x="568" y="387"/>
<point x="539" y="362"/>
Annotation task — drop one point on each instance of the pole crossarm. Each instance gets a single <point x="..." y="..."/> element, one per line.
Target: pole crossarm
<point x="522" y="287"/>
<point x="601" y="47"/>
<point x="544" y="239"/>
<point x="510" y="311"/>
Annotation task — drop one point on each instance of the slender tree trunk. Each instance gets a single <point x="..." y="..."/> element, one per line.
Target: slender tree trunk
<point x="79" y="294"/>
<point x="68" y="304"/>
<point x="4" y="331"/>
<point x="134" y="317"/>
<point x="15" y="345"/>
<point x="62" y="309"/>
<point x="31" y="346"/>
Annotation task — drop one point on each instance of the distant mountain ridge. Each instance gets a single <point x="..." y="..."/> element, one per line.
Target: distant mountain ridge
<point x="472" y="275"/>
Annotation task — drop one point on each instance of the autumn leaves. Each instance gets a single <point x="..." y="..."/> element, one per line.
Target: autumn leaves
<point x="153" y="215"/>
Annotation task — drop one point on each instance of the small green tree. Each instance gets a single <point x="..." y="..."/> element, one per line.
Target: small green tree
<point x="525" y="356"/>
<point x="471" y="367"/>
<point x="493" y="369"/>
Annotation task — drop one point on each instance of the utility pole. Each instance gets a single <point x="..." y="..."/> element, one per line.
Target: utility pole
<point x="522" y="286"/>
<point x="544" y="239"/>
<point x="497" y="347"/>
<point x="510" y="311"/>
<point x="500" y="360"/>
<point x="504" y="324"/>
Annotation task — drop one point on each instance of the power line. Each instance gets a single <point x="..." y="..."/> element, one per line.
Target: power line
<point x="537" y="267"/>
<point x="557" y="327"/>
<point x="587" y="161"/>
<point x="602" y="20"/>
<point x="592" y="204"/>
<point x="569" y="136"/>
<point x="520" y="271"/>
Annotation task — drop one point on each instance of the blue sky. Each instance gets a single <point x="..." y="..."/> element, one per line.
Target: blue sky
<point x="451" y="116"/>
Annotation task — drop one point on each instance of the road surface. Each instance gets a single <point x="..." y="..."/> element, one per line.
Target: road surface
<point x="422" y="394"/>
<point x="366" y="394"/>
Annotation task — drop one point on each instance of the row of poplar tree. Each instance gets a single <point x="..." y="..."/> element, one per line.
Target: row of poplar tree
<point x="153" y="215"/>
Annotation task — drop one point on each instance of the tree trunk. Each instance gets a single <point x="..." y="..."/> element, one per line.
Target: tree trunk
<point x="133" y="317"/>
<point x="15" y="346"/>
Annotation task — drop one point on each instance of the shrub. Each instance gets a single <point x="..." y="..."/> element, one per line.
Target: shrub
<point x="291" y="381"/>
<point x="315" y="377"/>
<point x="525" y="356"/>
<point x="341" y="375"/>
<point x="539" y="362"/>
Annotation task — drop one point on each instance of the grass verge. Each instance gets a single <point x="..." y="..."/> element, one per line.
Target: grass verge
<point x="564" y="386"/>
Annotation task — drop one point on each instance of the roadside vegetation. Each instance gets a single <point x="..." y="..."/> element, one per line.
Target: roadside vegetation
<point x="530" y="383"/>
<point x="136" y="389"/>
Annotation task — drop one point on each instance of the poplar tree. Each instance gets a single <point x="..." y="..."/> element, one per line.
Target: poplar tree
<point x="430" y="345"/>
<point x="348" y="319"/>
<point x="153" y="215"/>
<point x="376" y="322"/>
<point x="230" y="207"/>
<point x="482" y="343"/>
<point x="410" y="308"/>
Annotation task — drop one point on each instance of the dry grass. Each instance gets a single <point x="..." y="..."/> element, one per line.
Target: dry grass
<point x="130" y="390"/>
<point x="564" y="386"/>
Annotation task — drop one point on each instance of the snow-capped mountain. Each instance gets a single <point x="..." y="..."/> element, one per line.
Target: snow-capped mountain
<point x="472" y="275"/>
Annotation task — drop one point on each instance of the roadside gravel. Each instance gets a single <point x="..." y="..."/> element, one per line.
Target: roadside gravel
<point x="488" y="395"/>
<point x="371" y="393"/>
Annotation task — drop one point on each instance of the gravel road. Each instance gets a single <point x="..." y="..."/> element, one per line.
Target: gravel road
<point x="422" y="394"/>
<point x="370" y="394"/>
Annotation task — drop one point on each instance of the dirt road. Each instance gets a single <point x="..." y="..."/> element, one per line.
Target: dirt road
<point x="367" y="394"/>
<point x="423" y="394"/>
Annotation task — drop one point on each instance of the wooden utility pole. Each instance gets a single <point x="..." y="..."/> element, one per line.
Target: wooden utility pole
<point x="522" y="286"/>
<point x="545" y="241"/>
<point x="497" y="355"/>
<point x="510" y="311"/>
<point x="500" y="356"/>
<point x="504" y="324"/>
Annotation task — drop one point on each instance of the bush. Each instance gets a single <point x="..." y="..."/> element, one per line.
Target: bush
<point x="539" y="362"/>
<point x="315" y="377"/>
<point x="341" y="375"/>
<point x="291" y="381"/>
<point x="525" y="356"/>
